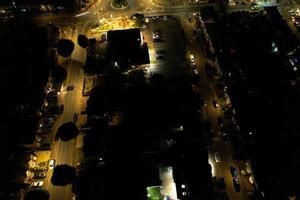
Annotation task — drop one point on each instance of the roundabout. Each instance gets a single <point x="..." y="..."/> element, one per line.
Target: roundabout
<point x="119" y="4"/>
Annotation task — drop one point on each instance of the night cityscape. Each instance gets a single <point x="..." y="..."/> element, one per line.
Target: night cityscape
<point x="150" y="99"/>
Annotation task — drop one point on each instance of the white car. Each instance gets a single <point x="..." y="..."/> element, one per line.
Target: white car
<point x="52" y="164"/>
<point x="37" y="184"/>
<point x="217" y="157"/>
<point x="192" y="58"/>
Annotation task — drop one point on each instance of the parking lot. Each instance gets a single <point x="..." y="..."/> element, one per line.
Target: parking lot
<point x="166" y="46"/>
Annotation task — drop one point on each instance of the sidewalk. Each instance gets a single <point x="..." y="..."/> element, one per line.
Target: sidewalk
<point x="94" y="4"/>
<point x="178" y="3"/>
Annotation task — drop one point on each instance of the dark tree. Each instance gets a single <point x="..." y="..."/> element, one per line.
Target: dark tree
<point x="65" y="47"/>
<point x="37" y="195"/>
<point x="139" y="19"/>
<point x="67" y="131"/>
<point x="158" y="81"/>
<point x="63" y="175"/>
<point x="59" y="74"/>
<point x="83" y="41"/>
<point x="52" y="32"/>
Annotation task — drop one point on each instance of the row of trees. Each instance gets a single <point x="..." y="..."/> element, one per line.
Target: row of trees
<point x="62" y="174"/>
<point x="65" y="47"/>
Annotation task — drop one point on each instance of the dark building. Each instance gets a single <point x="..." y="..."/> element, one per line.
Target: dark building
<point x="126" y="47"/>
<point x="285" y="38"/>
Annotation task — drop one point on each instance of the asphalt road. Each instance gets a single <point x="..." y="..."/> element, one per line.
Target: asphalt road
<point x="64" y="152"/>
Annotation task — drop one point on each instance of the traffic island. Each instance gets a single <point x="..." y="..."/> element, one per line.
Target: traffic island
<point x="119" y="4"/>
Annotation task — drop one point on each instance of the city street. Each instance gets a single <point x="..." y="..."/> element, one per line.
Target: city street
<point x="206" y="87"/>
<point x="64" y="152"/>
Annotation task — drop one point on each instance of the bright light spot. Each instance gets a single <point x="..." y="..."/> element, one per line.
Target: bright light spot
<point x="81" y="14"/>
<point x="292" y="62"/>
<point x="273" y="44"/>
<point x="295" y="68"/>
<point x="212" y="167"/>
<point x="183" y="193"/>
<point x="182" y="186"/>
<point x="251" y="179"/>
<point x="148" y="195"/>
<point x="250" y="133"/>
<point x="181" y="128"/>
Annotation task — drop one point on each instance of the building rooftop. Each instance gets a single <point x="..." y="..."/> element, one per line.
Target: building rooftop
<point x="126" y="47"/>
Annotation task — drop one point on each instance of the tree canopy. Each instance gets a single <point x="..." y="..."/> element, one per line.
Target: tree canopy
<point x="67" y="131"/>
<point x="65" y="47"/>
<point x="83" y="41"/>
<point x="59" y="74"/>
<point x="63" y="175"/>
<point x="37" y="194"/>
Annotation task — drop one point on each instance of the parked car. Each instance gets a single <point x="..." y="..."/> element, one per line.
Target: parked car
<point x="192" y="58"/>
<point x="37" y="184"/>
<point x="236" y="185"/>
<point x="39" y="175"/>
<point x="52" y="164"/>
<point x="225" y="136"/>
<point x="234" y="172"/>
<point x="75" y="117"/>
<point x="71" y="87"/>
<point x="221" y="122"/>
<point x="215" y="104"/>
<point x="217" y="157"/>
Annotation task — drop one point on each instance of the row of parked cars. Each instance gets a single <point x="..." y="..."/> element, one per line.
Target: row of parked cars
<point x="233" y="171"/>
<point x="40" y="175"/>
<point x="42" y="9"/>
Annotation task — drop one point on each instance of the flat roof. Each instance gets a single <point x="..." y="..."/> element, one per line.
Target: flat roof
<point x="125" y="46"/>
